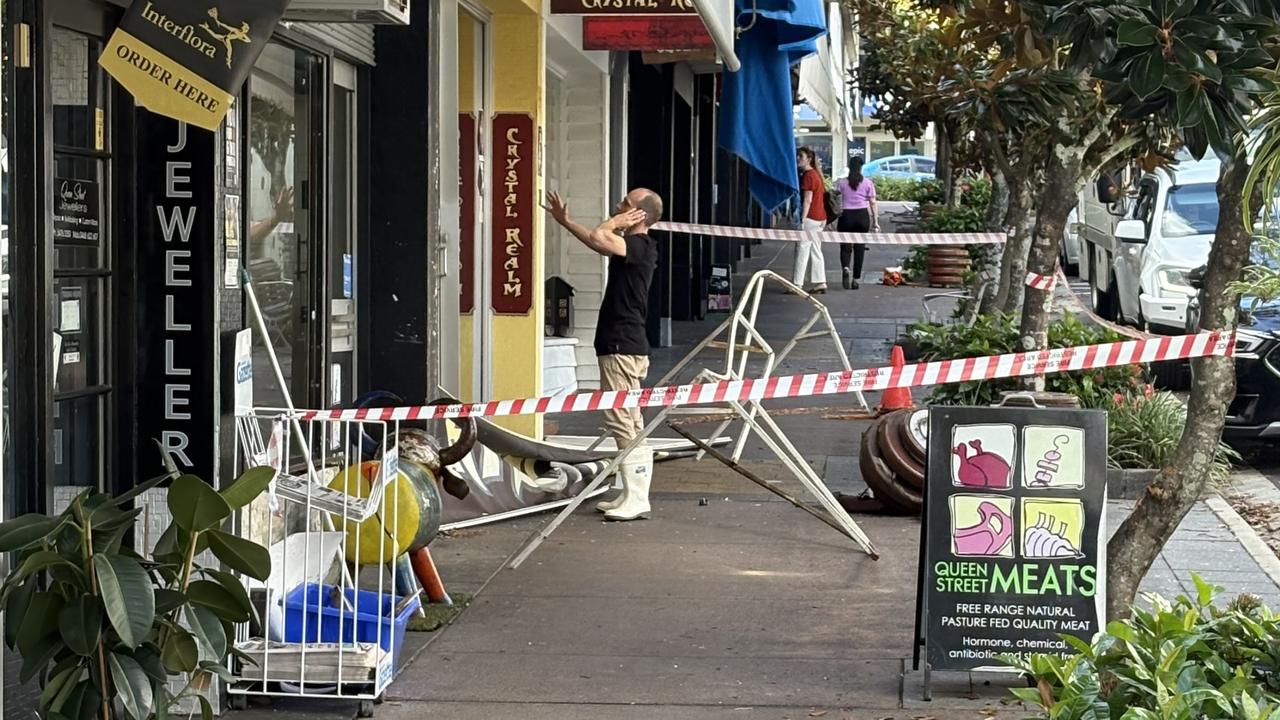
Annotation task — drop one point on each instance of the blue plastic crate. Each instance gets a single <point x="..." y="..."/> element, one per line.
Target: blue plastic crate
<point x="324" y="619"/>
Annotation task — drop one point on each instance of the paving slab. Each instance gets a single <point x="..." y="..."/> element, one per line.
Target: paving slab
<point x="411" y="710"/>
<point x="515" y="676"/>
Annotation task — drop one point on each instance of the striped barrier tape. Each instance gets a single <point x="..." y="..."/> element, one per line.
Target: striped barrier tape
<point x="1040" y="282"/>
<point x="1086" y="357"/>
<point x="832" y="236"/>
<point x="1080" y="308"/>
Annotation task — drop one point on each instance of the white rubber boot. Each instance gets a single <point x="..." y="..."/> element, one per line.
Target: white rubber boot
<point x="637" y="471"/>
<point x="605" y="506"/>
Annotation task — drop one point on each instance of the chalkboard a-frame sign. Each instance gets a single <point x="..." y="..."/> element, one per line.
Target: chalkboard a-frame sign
<point x="1012" y="551"/>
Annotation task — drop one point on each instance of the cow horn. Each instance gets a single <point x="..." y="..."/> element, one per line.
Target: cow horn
<point x="459" y="450"/>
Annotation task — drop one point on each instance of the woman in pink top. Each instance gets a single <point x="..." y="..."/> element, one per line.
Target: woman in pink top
<point x="860" y="215"/>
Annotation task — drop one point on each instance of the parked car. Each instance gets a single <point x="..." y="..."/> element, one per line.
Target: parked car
<point x="1139" y="250"/>
<point x="1069" y="253"/>
<point x="1255" y="411"/>
<point x="911" y="167"/>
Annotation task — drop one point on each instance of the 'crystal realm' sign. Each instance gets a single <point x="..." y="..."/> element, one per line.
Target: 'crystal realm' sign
<point x="622" y="7"/>
<point x="515" y="142"/>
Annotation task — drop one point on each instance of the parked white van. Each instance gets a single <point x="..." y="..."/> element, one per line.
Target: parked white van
<point x="1139" y="248"/>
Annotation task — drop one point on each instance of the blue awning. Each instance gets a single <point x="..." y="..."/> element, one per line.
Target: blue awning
<point x="755" y="106"/>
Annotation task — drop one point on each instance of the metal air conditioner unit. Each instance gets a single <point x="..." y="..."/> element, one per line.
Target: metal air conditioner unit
<point x="381" y="12"/>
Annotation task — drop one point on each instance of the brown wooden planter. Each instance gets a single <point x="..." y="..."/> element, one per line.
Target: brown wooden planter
<point x="947" y="265"/>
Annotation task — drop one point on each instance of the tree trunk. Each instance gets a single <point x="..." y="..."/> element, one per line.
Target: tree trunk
<point x="1160" y="509"/>
<point x="1013" y="264"/>
<point x="988" y="275"/>
<point x="945" y="170"/>
<point x="1058" y="195"/>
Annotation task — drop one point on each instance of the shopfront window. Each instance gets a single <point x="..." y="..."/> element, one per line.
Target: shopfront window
<point x="883" y="149"/>
<point x="79" y="304"/>
<point x="6" y="339"/>
<point x="7" y="499"/>
<point x="279" y="237"/>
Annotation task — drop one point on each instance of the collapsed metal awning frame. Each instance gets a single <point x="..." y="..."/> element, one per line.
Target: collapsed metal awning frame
<point x="755" y="419"/>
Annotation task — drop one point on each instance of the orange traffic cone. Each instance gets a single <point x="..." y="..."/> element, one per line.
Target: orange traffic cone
<point x="896" y="398"/>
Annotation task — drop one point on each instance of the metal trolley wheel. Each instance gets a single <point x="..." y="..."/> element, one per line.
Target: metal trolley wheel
<point x="366" y="709"/>
<point x="238" y="702"/>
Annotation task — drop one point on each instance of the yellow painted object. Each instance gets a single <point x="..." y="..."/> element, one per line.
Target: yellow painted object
<point x="399" y="517"/>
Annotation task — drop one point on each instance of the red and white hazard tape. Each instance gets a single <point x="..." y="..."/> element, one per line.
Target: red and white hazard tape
<point x="1087" y="357"/>
<point x="1074" y="301"/>
<point x="832" y="236"/>
<point x="1040" y="282"/>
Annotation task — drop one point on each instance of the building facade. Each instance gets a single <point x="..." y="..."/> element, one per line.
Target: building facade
<point x="125" y="237"/>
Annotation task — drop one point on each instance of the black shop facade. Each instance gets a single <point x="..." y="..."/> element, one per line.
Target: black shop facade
<point x="125" y="237"/>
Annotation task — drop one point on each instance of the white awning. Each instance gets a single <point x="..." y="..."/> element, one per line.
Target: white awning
<point x="823" y="79"/>
<point x="717" y="16"/>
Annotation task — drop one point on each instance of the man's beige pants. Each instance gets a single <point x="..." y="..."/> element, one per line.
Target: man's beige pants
<point x="623" y="372"/>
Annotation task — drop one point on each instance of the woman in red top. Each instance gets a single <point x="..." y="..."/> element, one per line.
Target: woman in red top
<point x="809" y="250"/>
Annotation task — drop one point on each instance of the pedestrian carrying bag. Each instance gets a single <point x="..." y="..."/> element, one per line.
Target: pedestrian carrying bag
<point x="833" y="203"/>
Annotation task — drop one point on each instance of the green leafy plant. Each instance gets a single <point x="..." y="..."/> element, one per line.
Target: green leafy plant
<point x="959" y="219"/>
<point x="1261" y="279"/>
<point x="1185" y="660"/>
<point x="891" y="189"/>
<point x="997" y="334"/>
<point x="103" y="628"/>
<point x="1143" y="430"/>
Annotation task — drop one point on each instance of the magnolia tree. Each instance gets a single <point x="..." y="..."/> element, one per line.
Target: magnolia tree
<point x="911" y="50"/>
<point x="1092" y="84"/>
<point x="1202" y="66"/>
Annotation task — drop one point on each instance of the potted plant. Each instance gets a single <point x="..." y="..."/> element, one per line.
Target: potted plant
<point x="105" y="629"/>
<point x="1143" y="429"/>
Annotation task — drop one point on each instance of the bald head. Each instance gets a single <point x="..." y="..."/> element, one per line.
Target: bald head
<point x="648" y="201"/>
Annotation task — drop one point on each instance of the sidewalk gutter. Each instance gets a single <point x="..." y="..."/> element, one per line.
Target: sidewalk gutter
<point x="1251" y="485"/>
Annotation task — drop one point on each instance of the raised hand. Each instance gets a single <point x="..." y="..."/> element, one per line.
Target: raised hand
<point x="558" y="208"/>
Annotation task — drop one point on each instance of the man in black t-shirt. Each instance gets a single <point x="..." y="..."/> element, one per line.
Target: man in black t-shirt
<point x="622" y="341"/>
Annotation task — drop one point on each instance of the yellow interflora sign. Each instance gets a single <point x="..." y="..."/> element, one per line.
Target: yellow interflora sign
<point x="162" y="85"/>
<point x="187" y="60"/>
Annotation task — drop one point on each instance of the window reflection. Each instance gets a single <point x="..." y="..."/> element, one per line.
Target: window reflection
<point x="277" y="118"/>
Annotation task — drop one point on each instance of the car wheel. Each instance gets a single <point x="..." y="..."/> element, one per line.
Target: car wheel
<point x="1104" y="300"/>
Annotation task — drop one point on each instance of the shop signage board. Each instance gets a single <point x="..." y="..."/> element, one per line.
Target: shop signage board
<point x="645" y="33"/>
<point x="187" y="59"/>
<point x="622" y="7"/>
<point x="515" y="142"/>
<point x="1013" y="539"/>
<point x="720" y="289"/>
<point x="467" y="211"/>
<point x="178" y="255"/>
<point x="77" y="214"/>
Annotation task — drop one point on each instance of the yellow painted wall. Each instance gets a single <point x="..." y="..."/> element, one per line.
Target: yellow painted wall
<point x="517" y="66"/>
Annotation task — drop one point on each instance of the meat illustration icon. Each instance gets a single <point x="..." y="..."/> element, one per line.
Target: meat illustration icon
<point x="1048" y="539"/>
<point x="990" y="537"/>
<point x="980" y="468"/>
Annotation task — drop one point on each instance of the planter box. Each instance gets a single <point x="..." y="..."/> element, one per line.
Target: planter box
<point x="1128" y="484"/>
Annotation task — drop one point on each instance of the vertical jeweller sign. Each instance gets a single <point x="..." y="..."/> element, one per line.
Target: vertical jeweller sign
<point x="515" y="142"/>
